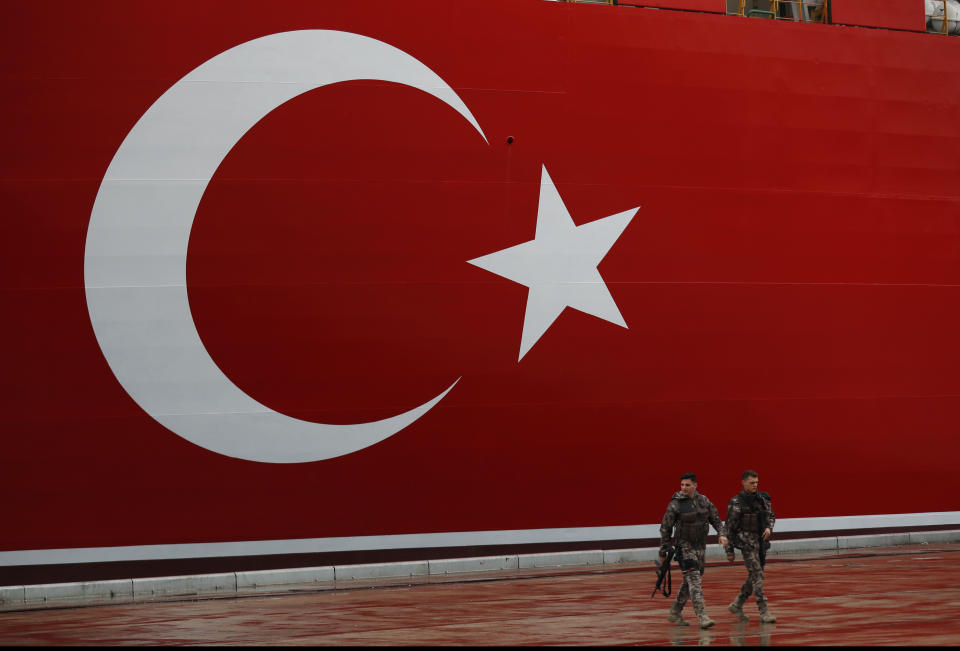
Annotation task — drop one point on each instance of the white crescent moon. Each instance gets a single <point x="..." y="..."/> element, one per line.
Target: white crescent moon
<point x="135" y="264"/>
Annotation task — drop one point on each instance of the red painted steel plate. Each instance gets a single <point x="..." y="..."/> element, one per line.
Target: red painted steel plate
<point x="893" y="14"/>
<point x="791" y="283"/>
<point x="713" y="6"/>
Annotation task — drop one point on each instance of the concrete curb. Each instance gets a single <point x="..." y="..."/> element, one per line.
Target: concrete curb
<point x="478" y="564"/>
<point x="560" y="559"/>
<point x="271" y="579"/>
<point x="380" y="570"/>
<point x="186" y="586"/>
<point x="67" y="593"/>
<point x="20" y="597"/>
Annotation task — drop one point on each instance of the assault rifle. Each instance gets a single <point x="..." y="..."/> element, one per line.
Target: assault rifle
<point x="663" y="571"/>
<point x="764" y="546"/>
<point x="764" y="523"/>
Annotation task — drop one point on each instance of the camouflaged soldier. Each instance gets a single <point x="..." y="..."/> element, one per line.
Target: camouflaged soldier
<point x="749" y="523"/>
<point x="690" y="512"/>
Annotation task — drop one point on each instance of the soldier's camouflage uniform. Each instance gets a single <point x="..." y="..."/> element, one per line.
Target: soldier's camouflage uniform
<point x="747" y="517"/>
<point x="690" y="516"/>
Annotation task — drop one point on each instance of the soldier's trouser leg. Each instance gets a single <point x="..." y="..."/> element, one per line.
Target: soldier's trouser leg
<point x="691" y="581"/>
<point x="751" y="558"/>
<point x="694" y="560"/>
<point x="682" y="595"/>
<point x="676" y="615"/>
<point x="745" y="591"/>
<point x="754" y="582"/>
<point x="692" y="578"/>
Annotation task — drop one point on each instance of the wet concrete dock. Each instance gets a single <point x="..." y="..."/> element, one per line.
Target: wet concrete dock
<point x="908" y="595"/>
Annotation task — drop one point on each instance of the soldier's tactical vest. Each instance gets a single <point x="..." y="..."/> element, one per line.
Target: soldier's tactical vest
<point x="692" y="526"/>
<point x="752" y="520"/>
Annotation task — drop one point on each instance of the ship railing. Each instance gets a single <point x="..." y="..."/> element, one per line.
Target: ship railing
<point x="943" y="16"/>
<point x="807" y="11"/>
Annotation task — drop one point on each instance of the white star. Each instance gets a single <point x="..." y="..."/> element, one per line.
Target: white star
<point x="560" y="265"/>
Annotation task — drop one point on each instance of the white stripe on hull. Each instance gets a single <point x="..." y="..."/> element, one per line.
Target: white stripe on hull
<point x="447" y="539"/>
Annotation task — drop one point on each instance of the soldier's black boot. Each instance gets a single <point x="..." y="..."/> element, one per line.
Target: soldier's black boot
<point x="766" y="616"/>
<point x="737" y="607"/>
<point x="676" y="616"/>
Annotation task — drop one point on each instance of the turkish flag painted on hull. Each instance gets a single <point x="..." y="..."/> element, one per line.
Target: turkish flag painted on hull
<point x="789" y="282"/>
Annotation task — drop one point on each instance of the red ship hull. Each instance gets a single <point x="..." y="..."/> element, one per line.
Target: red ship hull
<point x="790" y="283"/>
